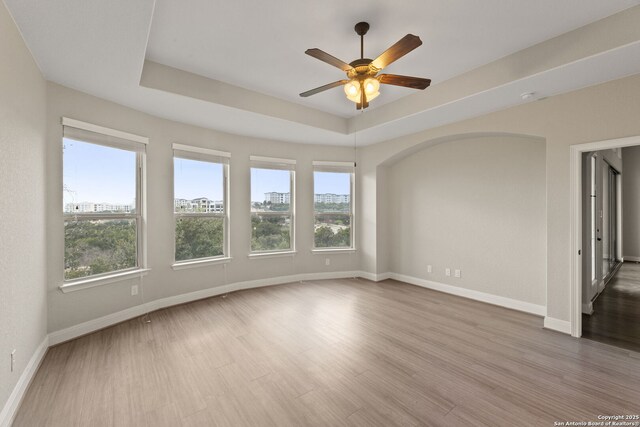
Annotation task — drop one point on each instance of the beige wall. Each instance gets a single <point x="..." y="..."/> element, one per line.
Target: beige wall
<point x="601" y="112"/>
<point x="22" y="234"/>
<point x="73" y="308"/>
<point x="631" y="202"/>
<point x="474" y="204"/>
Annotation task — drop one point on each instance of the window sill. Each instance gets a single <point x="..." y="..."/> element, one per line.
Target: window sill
<point x="272" y="254"/>
<point x="200" y="263"/>
<point x="103" y="280"/>
<point x="333" y="251"/>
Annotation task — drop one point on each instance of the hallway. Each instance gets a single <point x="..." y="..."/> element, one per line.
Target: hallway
<point x="616" y="312"/>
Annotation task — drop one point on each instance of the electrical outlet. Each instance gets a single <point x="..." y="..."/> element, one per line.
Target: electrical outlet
<point x="327" y="261"/>
<point x="134" y="290"/>
<point x="457" y="273"/>
<point x="447" y="272"/>
<point x="429" y="269"/>
<point x="13" y="359"/>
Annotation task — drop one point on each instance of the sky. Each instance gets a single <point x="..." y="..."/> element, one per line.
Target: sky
<point x="268" y="180"/>
<point x="94" y="173"/>
<point x="194" y="179"/>
<point x="331" y="182"/>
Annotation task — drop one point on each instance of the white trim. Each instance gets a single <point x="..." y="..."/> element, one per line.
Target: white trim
<point x="557" y="325"/>
<point x="104" y="130"/>
<point x="352" y="201"/>
<point x="271" y="254"/>
<point x="272" y="160"/>
<point x="102" y="280"/>
<point x="182" y="265"/>
<point x="225" y="215"/>
<point x="630" y="141"/>
<point x="575" y="228"/>
<point x="200" y="150"/>
<point x="631" y="258"/>
<point x="575" y="253"/>
<point x="333" y="251"/>
<point x="334" y="164"/>
<point x="375" y="277"/>
<point x="12" y="405"/>
<point x="587" y="308"/>
<point x="75" y="331"/>
<point x="513" y="304"/>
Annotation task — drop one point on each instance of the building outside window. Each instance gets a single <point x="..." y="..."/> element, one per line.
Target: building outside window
<point x="200" y="188"/>
<point x="102" y="201"/>
<point x="333" y="184"/>
<point x="272" y="205"/>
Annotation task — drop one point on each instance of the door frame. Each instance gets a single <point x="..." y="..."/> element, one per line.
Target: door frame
<point x="592" y="222"/>
<point x="576" y="247"/>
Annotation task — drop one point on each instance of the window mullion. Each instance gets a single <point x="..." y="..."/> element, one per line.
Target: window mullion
<point x="103" y="238"/>
<point x="333" y="228"/>
<point x="96" y="217"/>
<point x="200" y="235"/>
<point x="279" y="235"/>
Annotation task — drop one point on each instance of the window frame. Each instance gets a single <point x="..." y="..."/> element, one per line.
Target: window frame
<point x="336" y="167"/>
<point x="89" y="133"/>
<point x="259" y="162"/>
<point x="210" y="156"/>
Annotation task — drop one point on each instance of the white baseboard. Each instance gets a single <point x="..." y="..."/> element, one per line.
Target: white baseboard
<point x="10" y="409"/>
<point x="373" y="276"/>
<point x="588" y="308"/>
<point x="631" y="258"/>
<point x="513" y="304"/>
<point x="558" y="325"/>
<point x="84" y="328"/>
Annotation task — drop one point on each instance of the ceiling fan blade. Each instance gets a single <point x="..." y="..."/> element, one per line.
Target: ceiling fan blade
<point x="397" y="51"/>
<point x="329" y="59"/>
<point x="406" y="81"/>
<point x="323" y="88"/>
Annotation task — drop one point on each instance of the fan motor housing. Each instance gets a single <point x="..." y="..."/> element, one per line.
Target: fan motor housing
<point x="361" y="68"/>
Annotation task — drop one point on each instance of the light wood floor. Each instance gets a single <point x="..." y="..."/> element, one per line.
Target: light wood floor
<point x="337" y="352"/>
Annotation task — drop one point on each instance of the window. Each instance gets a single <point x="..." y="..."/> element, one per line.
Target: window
<point x="333" y="205"/>
<point x="200" y="203"/>
<point x="272" y="201"/>
<point x="102" y="193"/>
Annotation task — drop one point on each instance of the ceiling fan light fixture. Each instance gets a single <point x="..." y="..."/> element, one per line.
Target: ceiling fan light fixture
<point x="352" y="90"/>
<point x="371" y="88"/>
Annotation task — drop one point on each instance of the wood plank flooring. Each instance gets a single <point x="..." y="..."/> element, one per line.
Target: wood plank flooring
<point x="616" y="312"/>
<point x="331" y="353"/>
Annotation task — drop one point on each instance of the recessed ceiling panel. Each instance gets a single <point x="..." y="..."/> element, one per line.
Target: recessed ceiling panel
<point x="260" y="45"/>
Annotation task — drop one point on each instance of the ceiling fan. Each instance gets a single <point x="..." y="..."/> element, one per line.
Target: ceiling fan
<point x="363" y="81"/>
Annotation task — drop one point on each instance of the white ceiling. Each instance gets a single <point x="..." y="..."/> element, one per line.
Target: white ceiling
<point x="99" y="47"/>
<point x="260" y="45"/>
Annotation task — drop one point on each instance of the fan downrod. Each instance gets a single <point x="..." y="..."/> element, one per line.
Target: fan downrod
<point x="361" y="29"/>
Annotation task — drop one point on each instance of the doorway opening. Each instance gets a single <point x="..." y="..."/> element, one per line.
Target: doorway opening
<point x="602" y="229"/>
<point x="596" y="226"/>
